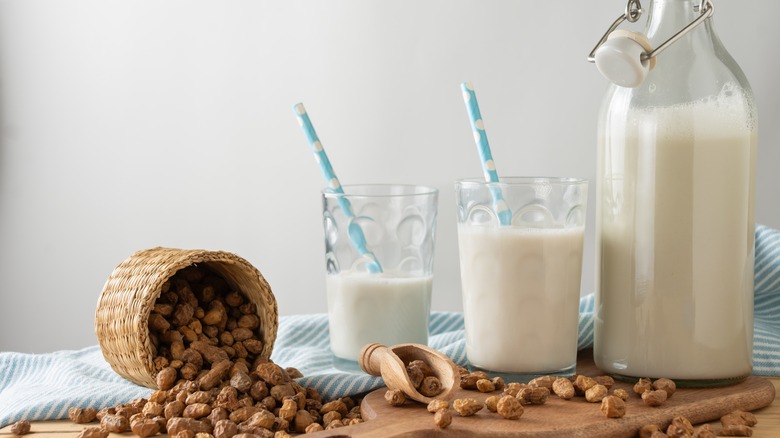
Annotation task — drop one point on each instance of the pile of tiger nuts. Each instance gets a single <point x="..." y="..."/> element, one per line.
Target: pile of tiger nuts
<point x="509" y="404"/>
<point x="423" y="378"/>
<point x="186" y="412"/>
<point x="426" y="382"/>
<point x="736" y="423"/>
<point x="212" y="382"/>
<point x="655" y="393"/>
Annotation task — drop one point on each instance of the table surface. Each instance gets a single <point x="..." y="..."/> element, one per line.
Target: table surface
<point x="768" y="423"/>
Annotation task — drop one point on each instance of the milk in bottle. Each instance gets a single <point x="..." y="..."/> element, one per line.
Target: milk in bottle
<point x="675" y="213"/>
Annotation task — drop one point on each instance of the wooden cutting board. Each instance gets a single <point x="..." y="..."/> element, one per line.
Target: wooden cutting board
<point x="556" y="418"/>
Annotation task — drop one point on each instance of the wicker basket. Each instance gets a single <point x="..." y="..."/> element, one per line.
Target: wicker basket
<point x="121" y="319"/>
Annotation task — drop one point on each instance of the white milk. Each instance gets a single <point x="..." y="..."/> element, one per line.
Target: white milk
<point x="686" y="276"/>
<point x="366" y="308"/>
<point x="520" y="296"/>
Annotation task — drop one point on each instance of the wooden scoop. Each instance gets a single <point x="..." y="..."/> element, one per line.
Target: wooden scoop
<point x="390" y="364"/>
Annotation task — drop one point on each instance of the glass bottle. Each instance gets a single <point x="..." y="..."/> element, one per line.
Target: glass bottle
<point x="675" y="221"/>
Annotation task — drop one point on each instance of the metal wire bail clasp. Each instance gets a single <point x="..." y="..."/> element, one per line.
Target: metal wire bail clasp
<point x="632" y="14"/>
<point x="625" y="57"/>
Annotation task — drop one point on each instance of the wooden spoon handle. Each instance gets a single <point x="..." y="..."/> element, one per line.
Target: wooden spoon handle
<point x="370" y="359"/>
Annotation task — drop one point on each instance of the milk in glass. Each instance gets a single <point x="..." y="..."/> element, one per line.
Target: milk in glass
<point x="520" y="292"/>
<point x="366" y="308"/>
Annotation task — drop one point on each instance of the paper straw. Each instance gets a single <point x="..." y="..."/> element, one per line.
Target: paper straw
<point x="483" y="147"/>
<point x="334" y="186"/>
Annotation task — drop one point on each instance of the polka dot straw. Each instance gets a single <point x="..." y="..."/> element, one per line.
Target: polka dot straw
<point x="483" y="147"/>
<point x="334" y="186"/>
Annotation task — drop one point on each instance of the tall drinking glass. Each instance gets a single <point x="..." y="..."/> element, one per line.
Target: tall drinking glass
<point x="395" y="227"/>
<point x="521" y="281"/>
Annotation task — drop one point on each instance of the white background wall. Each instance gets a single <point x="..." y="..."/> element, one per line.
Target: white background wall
<point x="126" y="125"/>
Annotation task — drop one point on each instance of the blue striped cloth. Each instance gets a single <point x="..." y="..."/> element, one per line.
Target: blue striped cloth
<point x="44" y="386"/>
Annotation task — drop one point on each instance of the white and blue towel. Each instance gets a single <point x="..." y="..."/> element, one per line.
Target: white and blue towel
<point x="44" y="386"/>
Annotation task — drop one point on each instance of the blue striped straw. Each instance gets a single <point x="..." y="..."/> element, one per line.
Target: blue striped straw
<point x="483" y="147"/>
<point x="334" y="186"/>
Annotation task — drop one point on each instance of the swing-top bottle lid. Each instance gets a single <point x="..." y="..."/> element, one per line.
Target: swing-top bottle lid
<point x="623" y="58"/>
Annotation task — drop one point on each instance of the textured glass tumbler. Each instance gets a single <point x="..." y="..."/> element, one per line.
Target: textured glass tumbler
<point x="379" y="243"/>
<point x="521" y="281"/>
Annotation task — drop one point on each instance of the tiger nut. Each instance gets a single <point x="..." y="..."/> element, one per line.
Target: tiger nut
<point x="543" y="381"/>
<point x="145" y="428"/>
<point x="466" y="407"/>
<point x="563" y="388"/>
<point x="704" y="431"/>
<point x="680" y="427"/>
<point x="442" y="418"/>
<point x="509" y="407"/>
<point x="166" y="378"/>
<point x="666" y="385"/>
<point x="491" y="403"/>
<point x="314" y="427"/>
<point x="179" y="424"/>
<point x="395" y="397"/>
<point x="513" y="388"/>
<point x="21" y="427"/>
<point x="736" y="430"/>
<point x="648" y="430"/>
<point x="431" y="386"/>
<point x="485" y="385"/>
<point x="613" y="407"/>
<point x="620" y="393"/>
<point x="643" y="385"/>
<point x="739" y="418"/>
<point x="81" y="416"/>
<point x="605" y="380"/>
<point x="654" y="398"/>
<point x="115" y="423"/>
<point x="533" y="395"/>
<point x="435" y="405"/>
<point x="596" y="393"/>
<point x="583" y="383"/>
<point x="93" y="432"/>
